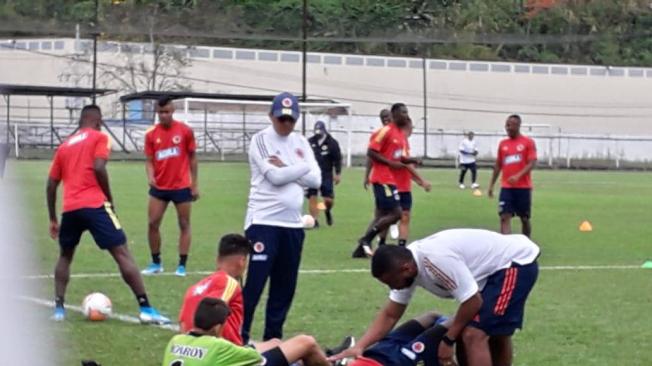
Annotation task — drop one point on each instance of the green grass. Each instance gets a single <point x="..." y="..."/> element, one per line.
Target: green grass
<point x="596" y="317"/>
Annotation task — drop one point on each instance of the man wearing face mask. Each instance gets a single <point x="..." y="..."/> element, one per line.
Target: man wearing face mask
<point x="282" y="165"/>
<point x="328" y="155"/>
<point x="489" y="274"/>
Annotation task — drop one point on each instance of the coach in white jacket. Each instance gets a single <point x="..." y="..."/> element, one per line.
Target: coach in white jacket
<point x="282" y="164"/>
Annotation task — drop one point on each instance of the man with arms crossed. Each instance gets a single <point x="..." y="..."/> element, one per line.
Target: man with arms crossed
<point x="489" y="274"/>
<point x="80" y="163"/>
<point x="172" y="175"/>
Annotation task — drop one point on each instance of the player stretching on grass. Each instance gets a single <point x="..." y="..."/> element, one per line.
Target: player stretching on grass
<point x="80" y="163"/>
<point x="517" y="156"/>
<point x="172" y="175"/>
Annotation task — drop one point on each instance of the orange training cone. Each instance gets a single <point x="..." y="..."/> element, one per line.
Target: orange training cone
<point x="586" y="226"/>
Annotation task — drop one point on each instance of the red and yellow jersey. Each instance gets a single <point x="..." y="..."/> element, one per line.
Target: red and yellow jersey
<point x="364" y="361"/>
<point x="218" y="285"/>
<point x="170" y="149"/>
<point x="403" y="176"/>
<point x="513" y="156"/>
<point x="389" y="141"/>
<point x="73" y="164"/>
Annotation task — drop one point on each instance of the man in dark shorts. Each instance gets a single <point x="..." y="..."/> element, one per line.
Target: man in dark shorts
<point x="517" y="156"/>
<point x="172" y="175"/>
<point x="328" y="156"/>
<point x="80" y="163"/>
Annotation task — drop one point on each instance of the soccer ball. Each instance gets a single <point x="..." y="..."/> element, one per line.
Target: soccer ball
<point x="308" y="221"/>
<point x="96" y="306"/>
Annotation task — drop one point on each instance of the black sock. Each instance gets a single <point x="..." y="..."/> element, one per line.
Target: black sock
<point x="142" y="300"/>
<point x="183" y="258"/>
<point x="58" y="301"/>
<point x="156" y="258"/>
<point x="382" y="241"/>
<point x="402" y="242"/>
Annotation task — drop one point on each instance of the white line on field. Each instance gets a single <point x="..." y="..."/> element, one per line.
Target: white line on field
<point x="332" y="271"/>
<point x="120" y="317"/>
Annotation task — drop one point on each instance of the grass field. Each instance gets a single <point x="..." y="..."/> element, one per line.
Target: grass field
<point x="595" y="316"/>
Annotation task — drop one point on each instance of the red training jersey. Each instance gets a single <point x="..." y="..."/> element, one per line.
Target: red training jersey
<point x="389" y="141"/>
<point x="170" y="149"/>
<point x="513" y="156"/>
<point x="218" y="285"/>
<point x="403" y="176"/>
<point x="73" y="164"/>
<point x="364" y="361"/>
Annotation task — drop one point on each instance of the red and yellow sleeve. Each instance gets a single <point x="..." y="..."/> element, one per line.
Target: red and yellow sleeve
<point x="378" y="139"/>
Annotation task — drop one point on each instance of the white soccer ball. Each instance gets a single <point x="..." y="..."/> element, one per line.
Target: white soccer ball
<point x="308" y="221"/>
<point x="96" y="306"/>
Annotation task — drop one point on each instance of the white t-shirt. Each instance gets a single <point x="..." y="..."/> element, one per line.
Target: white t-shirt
<point x="456" y="263"/>
<point x="466" y="150"/>
<point x="276" y="194"/>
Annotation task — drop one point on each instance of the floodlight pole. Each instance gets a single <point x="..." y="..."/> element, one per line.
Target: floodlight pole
<point x="95" y="20"/>
<point x="304" y="63"/>
<point x="425" y="107"/>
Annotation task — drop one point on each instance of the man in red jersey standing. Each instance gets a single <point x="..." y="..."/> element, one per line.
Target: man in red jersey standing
<point x="517" y="156"/>
<point x="172" y="176"/>
<point x="80" y="163"/>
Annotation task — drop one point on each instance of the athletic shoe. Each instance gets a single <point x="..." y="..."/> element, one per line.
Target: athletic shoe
<point x="462" y="186"/>
<point x="475" y="186"/>
<point x="152" y="269"/>
<point x="366" y="247"/>
<point x="149" y="315"/>
<point x="347" y="343"/>
<point x="329" y="217"/>
<point x="316" y="225"/>
<point x="393" y="231"/>
<point x="358" y="252"/>
<point x="181" y="271"/>
<point x="59" y="314"/>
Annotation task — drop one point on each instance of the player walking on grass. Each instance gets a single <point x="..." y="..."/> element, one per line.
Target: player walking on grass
<point x="80" y="163"/>
<point x="282" y="165"/>
<point x="468" y="154"/>
<point x="204" y="345"/>
<point x="489" y="274"/>
<point x="171" y="168"/>
<point x="327" y="153"/>
<point x="517" y="156"/>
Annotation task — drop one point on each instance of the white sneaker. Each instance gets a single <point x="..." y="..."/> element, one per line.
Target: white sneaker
<point x="462" y="186"/>
<point x="475" y="186"/>
<point x="393" y="231"/>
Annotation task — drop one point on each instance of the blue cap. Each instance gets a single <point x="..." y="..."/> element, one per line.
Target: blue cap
<point x="320" y="125"/>
<point x="285" y="104"/>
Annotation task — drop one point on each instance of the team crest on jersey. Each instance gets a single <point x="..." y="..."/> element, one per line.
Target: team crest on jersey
<point x="286" y="102"/>
<point x="520" y="147"/>
<point x="176" y="139"/>
<point x="299" y="153"/>
<point x="418" y="347"/>
<point x="259" y="247"/>
<point x="325" y="147"/>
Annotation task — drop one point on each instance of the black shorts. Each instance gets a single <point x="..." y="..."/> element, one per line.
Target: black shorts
<point x="503" y="299"/>
<point x="101" y="222"/>
<point x="471" y="166"/>
<point x="386" y="196"/>
<point x="326" y="189"/>
<point x="274" y="357"/>
<point x="405" y="200"/>
<point x="174" y="195"/>
<point x="515" y="201"/>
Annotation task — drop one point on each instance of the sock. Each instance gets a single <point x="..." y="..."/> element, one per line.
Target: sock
<point x="156" y="258"/>
<point x="402" y="242"/>
<point x="369" y="236"/>
<point x="58" y="301"/>
<point x="183" y="258"/>
<point x="382" y="241"/>
<point x="142" y="300"/>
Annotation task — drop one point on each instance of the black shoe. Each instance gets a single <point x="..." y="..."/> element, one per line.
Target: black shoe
<point x="347" y="343"/>
<point x="316" y="225"/>
<point x="329" y="218"/>
<point x="358" y="252"/>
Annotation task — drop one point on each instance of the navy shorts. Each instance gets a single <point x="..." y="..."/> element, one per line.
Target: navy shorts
<point x="408" y="345"/>
<point x="274" y="357"/>
<point x="326" y="189"/>
<point x="515" y="201"/>
<point x="405" y="200"/>
<point x="503" y="299"/>
<point x="174" y="195"/>
<point x="101" y="222"/>
<point x="386" y="196"/>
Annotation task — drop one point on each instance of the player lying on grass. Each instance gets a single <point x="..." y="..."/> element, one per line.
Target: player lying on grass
<point x="204" y="345"/>
<point x="415" y="342"/>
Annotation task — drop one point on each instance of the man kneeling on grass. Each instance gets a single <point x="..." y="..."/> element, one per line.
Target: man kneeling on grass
<point x="204" y="345"/>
